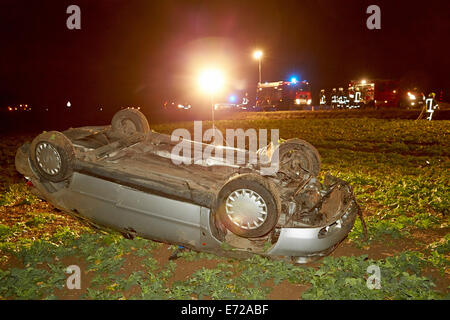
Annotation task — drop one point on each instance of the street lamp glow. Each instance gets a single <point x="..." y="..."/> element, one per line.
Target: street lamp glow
<point x="257" y="54"/>
<point x="211" y="80"/>
<point x="363" y="81"/>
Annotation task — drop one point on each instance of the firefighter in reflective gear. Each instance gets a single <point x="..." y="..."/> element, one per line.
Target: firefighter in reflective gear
<point x="342" y="99"/>
<point x="245" y="99"/>
<point x="357" y="99"/>
<point x="334" y="98"/>
<point x="430" y="106"/>
<point x="351" y="97"/>
<point x="323" y="98"/>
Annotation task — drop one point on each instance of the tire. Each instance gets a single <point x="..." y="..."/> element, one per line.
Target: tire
<point x="52" y="155"/>
<point x="307" y="158"/>
<point x="257" y="196"/>
<point x="127" y="122"/>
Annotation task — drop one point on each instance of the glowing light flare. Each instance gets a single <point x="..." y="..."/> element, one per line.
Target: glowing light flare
<point x="363" y="81"/>
<point x="411" y="96"/>
<point x="257" y="54"/>
<point x="211" y="81"/>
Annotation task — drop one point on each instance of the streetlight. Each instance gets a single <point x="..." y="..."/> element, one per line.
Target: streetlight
<point x="258" y="55"/>
<point x="211" y="81"/>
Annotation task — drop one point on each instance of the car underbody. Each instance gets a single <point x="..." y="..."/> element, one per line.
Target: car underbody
<point x="129" y="182"/>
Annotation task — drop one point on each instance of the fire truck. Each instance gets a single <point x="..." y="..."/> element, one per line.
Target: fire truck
<point x="383" y="93"/>
<point x="283" y="95"/>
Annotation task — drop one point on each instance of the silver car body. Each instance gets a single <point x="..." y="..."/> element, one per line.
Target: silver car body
<point x="138" y="201"/>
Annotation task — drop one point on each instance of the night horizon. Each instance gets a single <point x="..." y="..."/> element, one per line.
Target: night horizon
<point x="144" y="53"/>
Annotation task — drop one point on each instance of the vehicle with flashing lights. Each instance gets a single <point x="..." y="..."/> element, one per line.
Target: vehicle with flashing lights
<point x="176" y="106"/>
<point x="283" y="95"/>
<point x="411" y="98"/>
<point x="123" y="176"/>
<point x="226" y="107"/>
<point x="230" y="107"/>
<point x="379" y="93"/>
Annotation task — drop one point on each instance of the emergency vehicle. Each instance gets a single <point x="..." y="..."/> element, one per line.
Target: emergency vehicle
<point x="283" y="95"/>
<point x="383" y="93"/>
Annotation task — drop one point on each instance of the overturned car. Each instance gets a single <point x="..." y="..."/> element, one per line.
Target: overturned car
<point x="122" y="176"/>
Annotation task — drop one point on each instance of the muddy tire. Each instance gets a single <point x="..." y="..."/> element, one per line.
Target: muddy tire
<point x="297" y="157"/>
<point x="52" y="155"/>
<point x="248" y="205"/>
<point x="127" y="122"/>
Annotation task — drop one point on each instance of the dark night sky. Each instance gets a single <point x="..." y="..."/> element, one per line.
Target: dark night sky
<point x="142" y="52"/>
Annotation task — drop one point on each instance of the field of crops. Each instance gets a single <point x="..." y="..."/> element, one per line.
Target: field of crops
<point x="400" y="173"/>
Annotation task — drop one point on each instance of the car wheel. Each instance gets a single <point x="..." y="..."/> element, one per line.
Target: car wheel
<point x="296" y="156"/>
<point x="52" y="155"/>
<point x="249" y="206"/>
<point x="129" y="121"/>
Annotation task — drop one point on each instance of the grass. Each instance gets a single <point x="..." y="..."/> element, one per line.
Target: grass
<point x="399" y="171"/>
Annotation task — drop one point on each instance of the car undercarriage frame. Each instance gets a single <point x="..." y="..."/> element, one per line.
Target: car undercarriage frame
<point x="128" y="182"/>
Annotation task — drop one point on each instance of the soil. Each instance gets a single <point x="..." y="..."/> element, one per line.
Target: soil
<point x="286" y="290"/>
